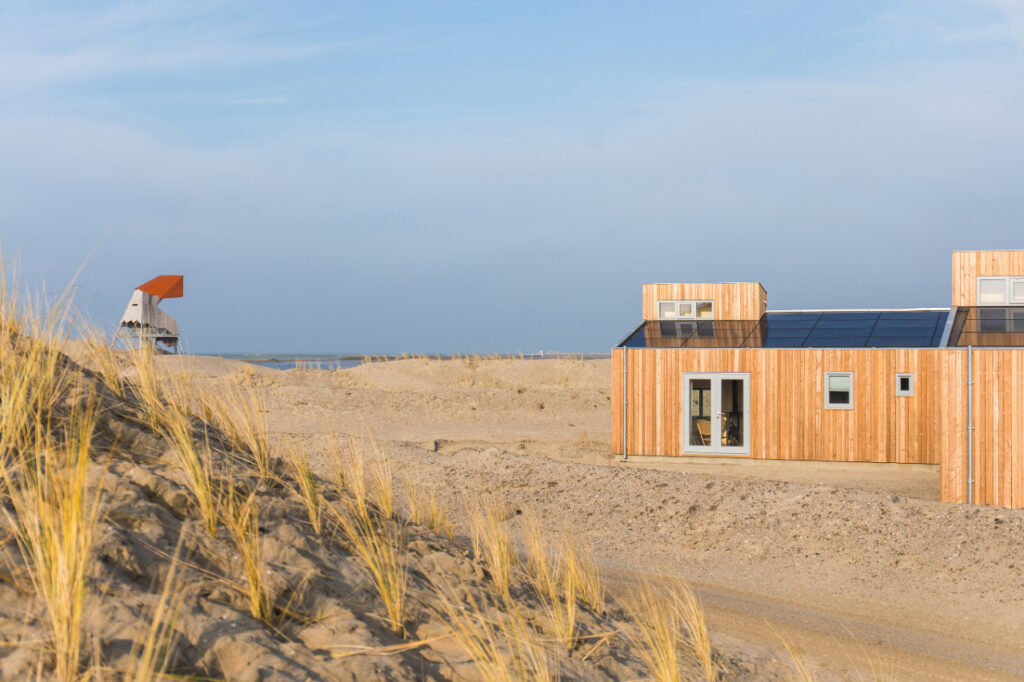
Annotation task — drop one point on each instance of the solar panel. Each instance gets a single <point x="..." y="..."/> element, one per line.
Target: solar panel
<point x="885" y="329"/>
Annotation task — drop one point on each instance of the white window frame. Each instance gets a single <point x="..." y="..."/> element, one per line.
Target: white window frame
<point x="1007" y="283"/>
<point x="829" y="405"/>
<point x="715" y="447"/>
<point x="910" y="391"/>
<point x="693" y="310"/>
<point x="1009" y="290"/>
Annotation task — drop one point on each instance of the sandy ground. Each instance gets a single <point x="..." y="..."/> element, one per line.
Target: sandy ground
<point x="858" y="567"/>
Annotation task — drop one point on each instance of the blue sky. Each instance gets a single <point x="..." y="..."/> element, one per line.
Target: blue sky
<point x="478" y="177"/>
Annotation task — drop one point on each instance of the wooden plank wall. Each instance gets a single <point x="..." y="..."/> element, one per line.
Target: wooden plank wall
<point x="788" y="419"/>
<point x="733" y="300"/>
<point x="998" y="433"/>
<point x="969" y="265"/>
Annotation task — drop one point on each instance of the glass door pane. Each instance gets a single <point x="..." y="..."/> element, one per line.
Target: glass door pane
<point x="731" y="413"/>
<point x="716" y="413"/>
<point x="699" y="391"/>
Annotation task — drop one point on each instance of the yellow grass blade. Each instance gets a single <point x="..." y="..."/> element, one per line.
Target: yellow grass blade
<point x="491" y="541"/>
<point x="154" y="653"/>
<point x="670" y="623"/>
<point x="305" y="483"/>
<point x="56" y="512"/>
<point x="379" y="547"/>
<point x="242" y="519"/>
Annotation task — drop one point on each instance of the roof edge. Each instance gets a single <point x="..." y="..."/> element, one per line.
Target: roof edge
<point x="658" y="284"/>
<point x="860" y="310"/>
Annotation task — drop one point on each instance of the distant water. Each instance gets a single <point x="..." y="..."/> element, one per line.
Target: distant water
<point x="328" y="362"/>
<point x="335" y="362"/>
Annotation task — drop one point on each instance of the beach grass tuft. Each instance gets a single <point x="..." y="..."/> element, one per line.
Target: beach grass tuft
<point x="379" y="544"/>
<point x="554" y="578"/>
<point x="237" y="410"/>
<point x="492" y="542"/>
<point x="306" y="484"/>
<point x="503" y="648"/>
<point x="425" y="510"/>
<point x="55" y="514"/>
<point x="194" y="459"/>
<point x="242" y="520"/>
<point x="153" y="654"/>
<point x="670" y="626"/>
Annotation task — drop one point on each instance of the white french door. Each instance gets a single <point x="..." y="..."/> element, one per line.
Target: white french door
<point x="716" y="413"/>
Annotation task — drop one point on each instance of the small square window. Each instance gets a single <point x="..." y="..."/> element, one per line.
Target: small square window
<point x="838" y="390"/>
<point x="992" y="290"/>
<point x="1017" y="290"/>
<point x="905" y="384"/>
<point x="686" y="310"/>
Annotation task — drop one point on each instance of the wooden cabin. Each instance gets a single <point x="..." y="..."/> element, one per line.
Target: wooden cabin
<point x="712" y="372"/>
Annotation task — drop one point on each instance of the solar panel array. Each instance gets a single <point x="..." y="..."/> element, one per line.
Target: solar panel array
<point x="887" y="329"/>
<point x="879" y="329"/>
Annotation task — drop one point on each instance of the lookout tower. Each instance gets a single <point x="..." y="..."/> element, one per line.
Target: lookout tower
<point x="145" y="321"/>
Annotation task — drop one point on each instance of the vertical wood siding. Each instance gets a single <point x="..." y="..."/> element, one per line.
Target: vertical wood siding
<point x="998" y="433"/>
<point x="788" y="419"/>
<point x="969" y="265"/>
<point x="733" y="300"/>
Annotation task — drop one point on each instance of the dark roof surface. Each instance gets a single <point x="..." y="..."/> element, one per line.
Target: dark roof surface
<point x="988" y="326"/>
<point x="874" y="329"/>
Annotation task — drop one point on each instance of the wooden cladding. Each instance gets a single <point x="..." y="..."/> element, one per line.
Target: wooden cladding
<point x="998" y="399"/>
<point x="969" y="265"/>
<point x="733" y="300"/>
<point x="788" y="419"/>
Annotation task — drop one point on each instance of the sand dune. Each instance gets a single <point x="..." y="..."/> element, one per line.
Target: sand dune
<point x="260" y="582"/>
<point x="857" y="572"/>
<point x="862" y="558"/>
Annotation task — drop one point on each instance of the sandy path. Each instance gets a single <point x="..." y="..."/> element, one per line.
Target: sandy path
<point x="852" y="564"/>
<point x="759" y="553"/>
<point x="923" y="651"/>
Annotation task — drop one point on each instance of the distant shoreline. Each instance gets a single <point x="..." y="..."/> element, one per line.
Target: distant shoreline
<point x="349" y="360"/>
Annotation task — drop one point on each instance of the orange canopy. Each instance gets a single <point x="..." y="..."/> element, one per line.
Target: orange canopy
<point x="165" y="286"/>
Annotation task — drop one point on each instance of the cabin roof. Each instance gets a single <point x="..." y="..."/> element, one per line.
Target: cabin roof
<point x="913" y="328"/>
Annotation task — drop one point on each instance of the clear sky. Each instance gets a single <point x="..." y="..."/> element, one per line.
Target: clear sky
<point x="483" y="176"/>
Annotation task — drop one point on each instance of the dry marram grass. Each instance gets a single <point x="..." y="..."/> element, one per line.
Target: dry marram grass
<point x="491" y="541"/>
<point x="237" y="410"/>
<point x="305" y="483"/>
<point x="503" y="648"/>
<point x="153" y="654"/>
<point x="580" y="562"/>
<point x="106" y="361"/>
<point x="379" y="546"/>
<point x="56" y="512"/>
<point x="195" y="460"/>
<point x="555" y="582"/>
<point x="242" y="519"/>
<point x="381" y="487"/>
<point x="669" y="626"/>
<point x="425" y="510"/>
